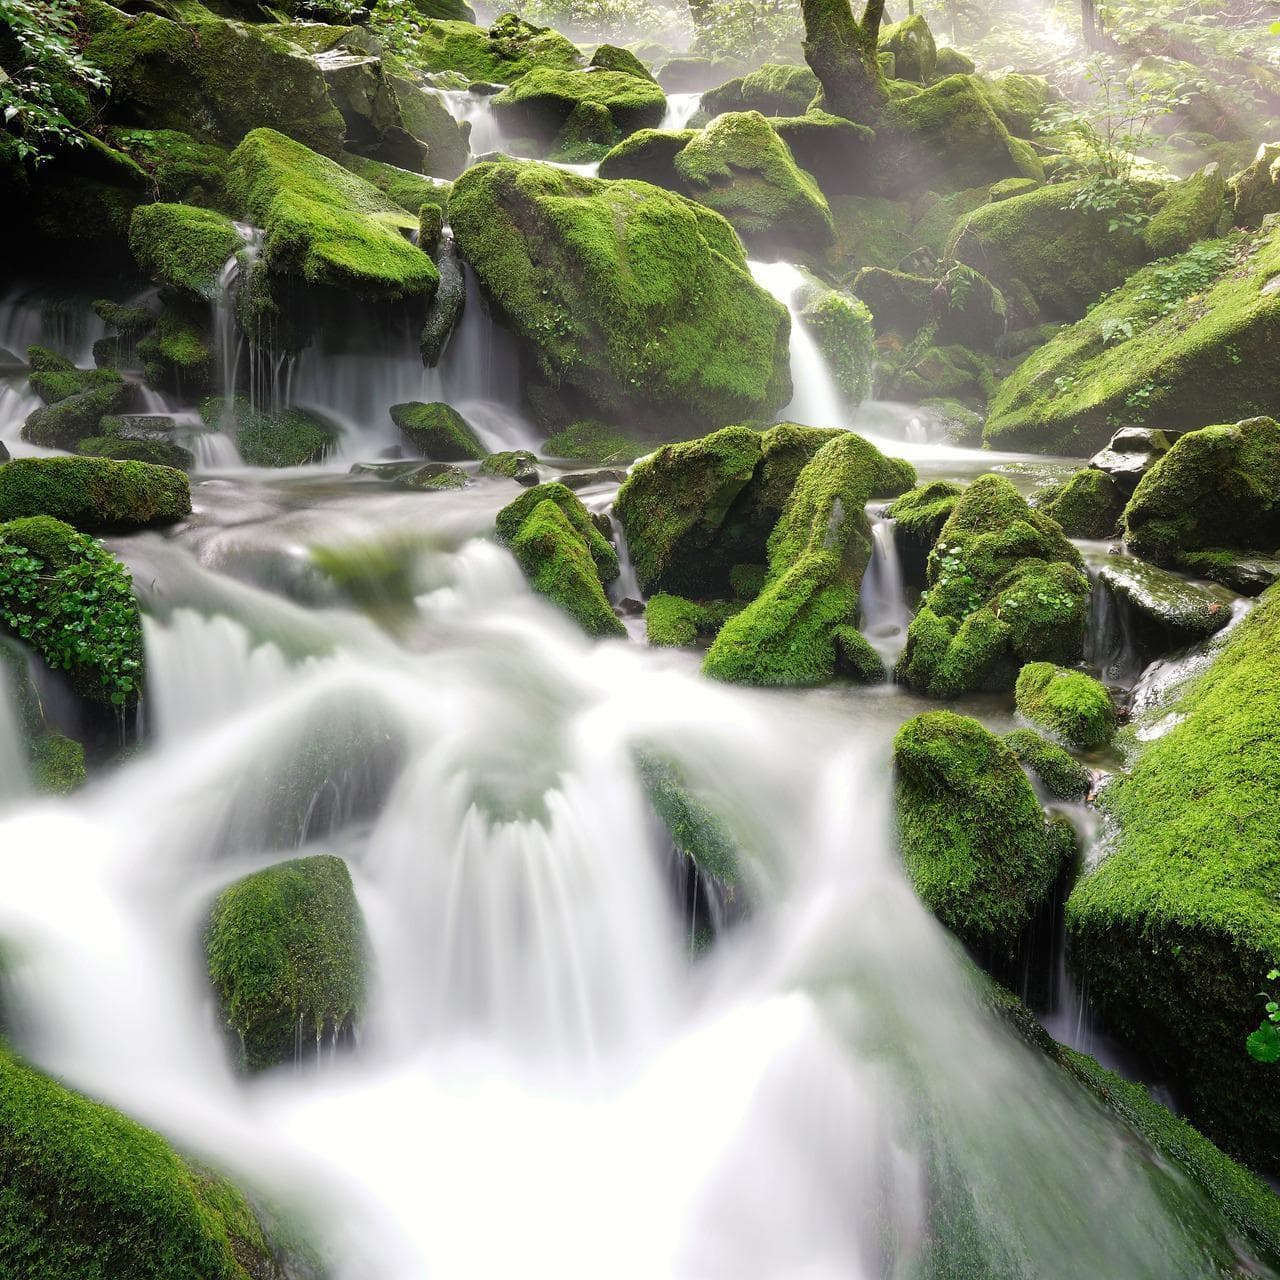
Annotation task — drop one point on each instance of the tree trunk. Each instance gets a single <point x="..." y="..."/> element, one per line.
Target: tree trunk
<point x="844" y="54"/>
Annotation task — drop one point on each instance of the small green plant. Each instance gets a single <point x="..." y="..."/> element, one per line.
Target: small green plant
<point x="1178" y="279"/>
<point x="1117" y="330"/>
<point x="1264" y="1043"/>
<point x="952" y="572"/>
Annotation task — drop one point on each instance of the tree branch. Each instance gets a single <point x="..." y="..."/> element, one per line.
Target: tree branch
<point x="872" y="16"/>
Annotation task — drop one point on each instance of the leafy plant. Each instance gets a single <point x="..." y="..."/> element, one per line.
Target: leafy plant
<point x="954" y="573"/>
<point x="1172" y="283"/>
<point x="1264" y="1043"/>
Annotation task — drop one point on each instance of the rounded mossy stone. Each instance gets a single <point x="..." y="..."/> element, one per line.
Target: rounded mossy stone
<point x="915" y="52"/>
<point x="182" y="246"/>
<point x="72" y="602"/>
<point x="922" y="512"/>
<point x="1019" y="100"/>
<point x="543" y="101"/>
<point x="741" y="168"/>
<point x="611" y="57"/>
<point x="1072" y="706"/>
<point x="588" y="441"/>
<point x="90" y="1193"/>
<point x="407" y="189"/>
<point x="513" y="464"/>
<point x="673" y="622"/>
<point x="951" y="62"/>
<point x="1176" y="928"/>
<point x="287" y="957"/>
<point x="648" y="155"/>
<point x="1061" y="774"/>
<point x="54" y="378"/>
<point x="57" y="764"/>
<point x="796" y="631"/>
<point x="95" y="495"/>
<point x="1088" y="504"/>
<point x="774" y="89"/>
<point x="1217" y="487"/>
<point x="635" y="302"/>
<point x="325" y="224"/>
<point x="972" y="834"/>
<point x="507" y="50"/>
<point x="61" y="424"/>
<point x="439" y="431"/>
<point x="1193" y="209"/>
<point x="514" y="514"/>
<point x="286" y="438"/>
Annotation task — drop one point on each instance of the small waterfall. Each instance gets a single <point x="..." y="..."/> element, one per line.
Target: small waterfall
<point x="681" y="108"/>
<point x="475" y="109"/>
<point x="15" y="778"/>
<point x="1110" y="647"/>
<point x="63" y="321"/>
<point x="17" y="403"/>
<point x="626" y="586"/>
<point x="883" y="601"/>
<point x="228" y="341"/>
<point x="815" y="401"/>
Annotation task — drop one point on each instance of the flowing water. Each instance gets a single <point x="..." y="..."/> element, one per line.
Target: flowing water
<point x="886" y="614"/>
<point x="546" y="1082"/>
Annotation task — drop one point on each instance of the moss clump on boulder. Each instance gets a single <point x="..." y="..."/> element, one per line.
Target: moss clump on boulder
<point x="541" y="103"/>
<point x="1193" y="210"/>
<point x="180" y="168"/>
<point x="915" y="53"/>
<point x="327" y="225"/>
<point x="773" y="89"/>
<point x="1061" y="774"/>
<point x="286" y="952"/>
<point x="1255" y="190"/>
<point x="801" y="628"/>
<point x="1218" y="487"/>
<point x="182" y="246"/>
<point x="1072" y="706"/>
<point x="57" y="764"/>
<point x="636" y="303"/>
<point x="973" y="836"/>
<point x="1177" y="926"/>
<point x="287" y="438"/>
<point x="1087" y="504"/>
<point x="922" y="512"/>
<point x="95" y="495"/>
<point x="507" y="50"/>
<point x="649" y="155"/>
<point x="61" y="424"/>
<point x="439" y="431"/>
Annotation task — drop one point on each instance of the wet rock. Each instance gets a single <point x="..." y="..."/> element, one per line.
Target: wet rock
<point x="518" y="464"/>
<point x="1131" y="454"/>
<point x="1167" y="608"/>
<point x="1250" y="575"/>
<point x="414" y="475"/>
<point x="587" y="479"/>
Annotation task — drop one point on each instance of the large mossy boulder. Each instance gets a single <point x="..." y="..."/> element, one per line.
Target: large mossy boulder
<point x="1193" y="209"/>
<point x="1216" y="488"/>
<point x="68" y="419"/>
<point x="438" y="431"/>
<point x="95" y="495"/>
<point x="271" y="438"/>
<point x="1177" y="927"/>
<point x="915" y="52"/>
<point x="564" y="556"/>
<point x="88" y="1192"/>
<point x="973" y="837"/>
<point x="68" y="598"/>
<point x="500" y="54"/>
<point x="802" y="627"/>
<point x="1005" y="588"/>
<point x="1183" y="342"/>
<point x="774" y="89"/>
<point x="182" y="246"/>
<point x="1071" y="706"/>
<point x="210" y="78"/>
<point x="542" y="103"/>
<point x="741" y="168"/>
<point x="635" y="302"/>
<point x="1088" y="504"/>
<point x="288" y="958"/>
<point x="1254" y="192"/>
<point x="324" y="224"/>
<point x="1164" y="610"/>
<point x="1065" y="256"/>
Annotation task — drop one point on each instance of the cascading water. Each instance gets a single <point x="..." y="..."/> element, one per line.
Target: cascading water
<point x="681" y="108"/>
<point x="476" y="110"/>
<point x="886" y="615"/>
<point x="544" y="1084"/>
<point x="15" y="780"/>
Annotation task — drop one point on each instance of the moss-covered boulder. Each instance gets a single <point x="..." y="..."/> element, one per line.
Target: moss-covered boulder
<point x="1255" y="191"/>
<point x="500" y="54"/>
<point x="1218" y="487"/>
<point x="922" y="512"/>
<point x="1177" y="927"/>
<point x="180" y="168"/>
<point x="1069" y="705"/>
<point x="1088" y="504"/>
<point x="612" y="57"/>
<point x="60" y="424"/>
<point x="563" y="554"/>
<point x="325" y="224"/>
<point x="649" y="155"/>
<point x="837" y="152"/>
<point x="512" y="464"/>
<point x="957" y="305"/>
<point x="672" y="622"/>
<point x="283" y="438"/>
<point x="1019" y="100"/>
<point x="636" y="303"/>
<point x="1005" y="588"/>
<point x="1193" y="209"/>
<point x="54" y="378"/>
<point x="438" y="431"/>
<point x="287" y="958"/>
<point x="802" y="627"/>
<point x="915" y="52"/>
<point x="973" y="837"/>
<point x="588" y="441"/>
<point x="1059" y="772"/>
<point x="774" y="89"/>
<point x="1183" y="342"/>
<point x="182" y="246"/>
<point x="95" y="495"/>
<point x="72" y="602"/>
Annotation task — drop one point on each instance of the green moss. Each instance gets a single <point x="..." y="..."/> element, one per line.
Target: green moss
<point x="69" y="1165"/>
<point x="1087" y="504"/>
<point x="610" y="57"/>
<point x="674" y="622"/>
<point x="1193" y="210"/>
<point x="973" y="837"/>
<point x="287" y="958"/>
<point x="795" y="631"/>
<point x="773" y="89"/>
<point x="182" y="246"/>
<point x="1177" y="926"/>
<point x="54" y="385"/>
<point x="1218" y="487"/>
<point x="410" y="191"/>
<point x="160" y="453"/>
<point x="648" y="155"/>
<point x="915" y="55"/>
<point x="179" y="168"/>
<point x="695" y="829"/>
<point x="95" y="495"/>
<point x="542" y="101"/>
<point x="289" y="438"/>
<point x="871" y="231"/>
<point x="512" y="464"/>
<point x="1073" y="707"/>
<point x="512" y="517"/>
<point x="439" y="431"/>
<point x="1019" y="100"/>
<point x="842" y="328"/>
<point x="922" y="512"/>
<point x="60" y="425"/>
<point x="593" y="442"/>
<point x="1063" y="776"/>
<point x="636" y="302"/>
<point x="501" y="55"/>
<point x="324" y="224"/>
<point x="178" y="355"/>
<point x="951" y="62"/>
<point x="57" y="763"/>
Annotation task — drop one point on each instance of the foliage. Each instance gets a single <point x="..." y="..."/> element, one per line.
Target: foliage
<point x="752" y="30"/>
<point x="1264" y="1043"/>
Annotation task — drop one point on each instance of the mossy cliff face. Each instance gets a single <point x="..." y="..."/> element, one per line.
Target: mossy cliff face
<point x="1216" y="488"/>
<point x="87" y="1192"/>
<point x="1177" y="927"/>
<point x="634" y="302"/>
<point x="287" y="958"/>
<point x="1071" y="706"/>
<point x="1182" y="343"/>
<point x="973" y="837"/>
<point x="1005" y="588"/>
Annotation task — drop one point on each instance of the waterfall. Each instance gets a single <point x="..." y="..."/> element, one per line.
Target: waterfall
<point x="815" y="401"/>
<point x="1110" y="647"/>
<point x="15" y="778"/>
<point x="475" y="109"/>
<point x="883" y="600"/>
<point x="681" y="108"/>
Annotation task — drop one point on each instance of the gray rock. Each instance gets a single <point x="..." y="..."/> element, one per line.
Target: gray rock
<point x="413" y="475"/>
<point x="1166" y="609"/>
<point x="1246" y="572"/>
<point x="446" y="307"/>
<point x="4" y="452"/>
<point x="516" y="464"/>
<point x="1131" y="453"/>
<point x="588" y="479"/>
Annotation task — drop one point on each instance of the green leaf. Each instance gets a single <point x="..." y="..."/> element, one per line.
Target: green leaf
<point x="1264" y="1044"/>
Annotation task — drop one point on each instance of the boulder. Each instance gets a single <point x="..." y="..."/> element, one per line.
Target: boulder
<point x="439" y="431"/>
<point x="1166" y="611"/>
<point x="951" y="62"/>
<point x="1193" y="209"/>
<point x="1255" y="191"/>
<point x="1088" y="504"/>
<point x="774" y="89"/>
<point x="501" y="54"/>
<point x="1130" y="454"/>
<point x="95" y="495"/>
<point x="649" y="155"/>
<point x="611" y="57"/>
<point x="843" y="330"/>
<point x="915" y="53"/>
<point x="1019" y="100"/>
<point x="1061" y="774"/>
<point x="281" y="438"/>
<point x="518" y="464"/>
<point x="182" y="246"/>
<point x="837" y="152"/>
<point x="1072" y="707"/>
<point x="1248" y="574"/>
<point x="61" y="424"/>
<point x="961" y="305"/>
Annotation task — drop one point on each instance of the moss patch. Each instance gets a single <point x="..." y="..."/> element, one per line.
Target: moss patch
<point x="1061" y="774"/>
<point x="1070" y="705"/>
<point x="438" y="431"/>
<point x="95" y="495"/>
<point x="182" y="246"/>
<point x="290" y="438"/>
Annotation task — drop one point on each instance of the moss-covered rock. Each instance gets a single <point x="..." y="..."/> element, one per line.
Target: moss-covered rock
<point x="284" y="438"/>
<point x="439" y="431"/>
<point x="54" y="378"/>
<point x="512" y="464"/>
<point x="1060" y="773"/>
<point x="844" y="331"/>
<point x="1165" y="611"/>
<point x="160" y="453"/>
<point x="286" y="952"/>
<point x="1177" y="926"/>
<point x="922" y="512"/>
<point x="1071" y="706"/>
<point x="951" y="62"/>
<point x="674" y="622"/>
<point x="839" y="153"/>
<point x="612" y="57"/>
<point x="178" y="355"/>
<point x="774" y="89"/>
<point x="957" y="305"/>
<point x="57" y="764"/>
<point x="1218" y="487"/>
<point x="740" y="167"/>
<point x="973" y="836"/>
<point x="499" y="55"/>
<point x="915" y="52"/>
<point x="180" y="169"/>
<point x="1255" y="190"/>
<point x="1087" y="504"/>
<point x="95" y="495"/>
<point x="1019" y="100"/>
<point x="648" y="155"/>
<point x="1193" y="209"/>
<point x="182" y="246"/>
<point x="1248" y="573"/>
<point x="563" y="554"/>
<point x="325" y="224"/>
<point x="636" y="303"/>
<point x="61" y="424"/>
<point x="801" y="628"/>
<point x="589" y="441"/>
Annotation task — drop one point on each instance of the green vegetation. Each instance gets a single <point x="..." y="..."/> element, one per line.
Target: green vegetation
<point x="921" y="513"/>
<point x="1062" y="776"/>
<point x="287" y="958"/>
<point x="501" y="55"/>
<point x="1087" y="505"/>
<point x="545" y="100"/>
<point x="593" y="442"/>
<point x="674" y="622"/>
<point x="182" y="246"/>
<point x="60" y="424"/>
<point x="1193" y="209"/>
<point x="438" y="431"/>
<point x="95" y="495"/>
<point x="1071" y="706"/>
<point x="288" y="438"/>
<point x="774" y="89"/>
<point x="57" y="764"/>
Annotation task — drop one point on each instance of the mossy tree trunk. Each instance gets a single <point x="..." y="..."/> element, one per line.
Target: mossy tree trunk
<point x="843" y="52"/>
